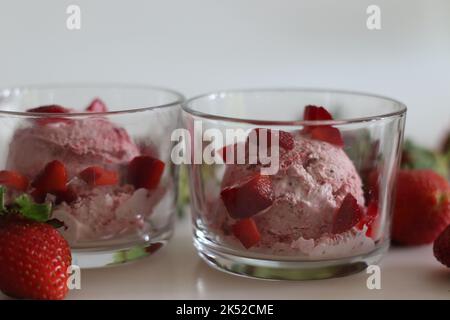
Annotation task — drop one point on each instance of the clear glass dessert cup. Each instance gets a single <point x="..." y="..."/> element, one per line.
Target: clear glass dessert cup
<point x="99" y="157"/>
<point x="292" y="184"/>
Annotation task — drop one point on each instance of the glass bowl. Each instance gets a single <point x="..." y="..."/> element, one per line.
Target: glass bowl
<point x="100" y="155"/>
<point x="292" y="183"/>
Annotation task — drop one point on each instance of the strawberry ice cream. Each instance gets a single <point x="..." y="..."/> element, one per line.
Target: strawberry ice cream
<point x="78" y="144"/>
<point x="90" y="169"/>
<point x="313" y="205"/>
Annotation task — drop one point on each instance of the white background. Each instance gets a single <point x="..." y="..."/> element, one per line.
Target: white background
<point x="202" y="45"/>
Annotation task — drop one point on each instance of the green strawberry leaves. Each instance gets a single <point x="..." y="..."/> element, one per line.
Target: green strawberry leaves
<point x="31" y="210"/>
<point x="418" y="157"/>
<point x="25" y="206"/>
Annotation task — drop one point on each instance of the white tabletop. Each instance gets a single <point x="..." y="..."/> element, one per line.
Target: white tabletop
<point x="176" y="272"/>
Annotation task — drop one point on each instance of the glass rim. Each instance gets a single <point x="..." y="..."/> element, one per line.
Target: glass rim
<point x="178" y="98"/>
<point x="186" y="107"/>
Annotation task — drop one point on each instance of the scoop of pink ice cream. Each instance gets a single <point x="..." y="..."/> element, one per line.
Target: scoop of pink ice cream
<point x="313" y="179"/>
<point x="76" y="143"/>
<point x="97" y="212"/>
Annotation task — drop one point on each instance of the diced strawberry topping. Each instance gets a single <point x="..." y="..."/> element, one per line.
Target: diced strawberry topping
<point x="372" y="185"/>
<point x="323" y="133"/>
<point x="248" y="198"/>
<point x="286" y="140"/>
<point x="97" y="105"/>
<point x="97" y="176"/>
<point x="247" y="232"/>
<point x="312" y="113"/>
<point x="54" y="108"/>
<point x="227" y="150"/>
<point x="370" y="219"/>
<point x="50" y="109"/>
<point x="52" y="179"/>
<point x="38" y="196"/>
<point x="13" y="179"/>
<point x="145" y="172"/>
<point x="327" y="134"/>
<point x="68" y="196"/>
<point x="347" y="216"/>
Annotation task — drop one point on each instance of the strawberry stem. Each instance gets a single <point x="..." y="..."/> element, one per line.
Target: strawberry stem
<point x="25" y="206"/>
<point x="31" y="210"/>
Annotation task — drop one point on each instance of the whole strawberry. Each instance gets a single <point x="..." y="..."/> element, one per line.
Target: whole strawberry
<point x="441" y="247"/>
<point x="34" y="257"/>
<point x="422" y="207"/>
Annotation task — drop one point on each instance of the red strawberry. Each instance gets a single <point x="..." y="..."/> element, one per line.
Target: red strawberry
<point x="52" y="179"/>
<point x="441" y="247"/>
<point x="327" y="134"/>
<point x="145" y="172"/>
<point x="13" y="179"/>
<point x="370" y="219"/>
<point x="226" y="150"/>
<point x="97" y="105"/>
<point x="248" y="198"/>
<point x="422" y="207"/>
<point x="50" y="109"/>
<point x="247" y="232"/>
<point x="96" y="176"/>
<point x="371" y="179"/>
<point x="323" y="133"/>
<point x="347" y="216"/>
<point x="312" y="113"/>
<point x="68" y="196"/>
<point x="38" y="196"/>
<point x="34" y="258"/>
<point x="286" y="139"/>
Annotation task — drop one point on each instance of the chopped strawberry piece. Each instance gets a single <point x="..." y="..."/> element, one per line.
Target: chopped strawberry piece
<point x="347" y="216"/>
<point x="247" y="232"/>
<point x="247" y="199"/>
<point x="54" y="108"/>
<point x="50" y="109"/>
<point x="96" y="176"/>
<point x="97" y="105"/>
<point x="312" y="113"/>
<point x="286" y="139"/>
<point x="52" y="179"/>
<point x="153" y="247"/>
<point x="145" y="172"/>
<point x="227" y="150"/>
<point x="370" y="218"/>
<point x="327" y="134"/>
<point x="372" y="185"/>
<point x="38" y="196"/>
<point x="13" y="179"/>
<point x="68" y="196"/>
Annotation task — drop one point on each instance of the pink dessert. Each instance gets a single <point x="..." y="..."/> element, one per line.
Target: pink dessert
<point x="90" y="169"/>
<point x="313" y="205"/>
<point x="77" y="144"/>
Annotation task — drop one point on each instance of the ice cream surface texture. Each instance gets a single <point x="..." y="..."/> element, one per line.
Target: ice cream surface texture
<point x="78" y="144"/>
